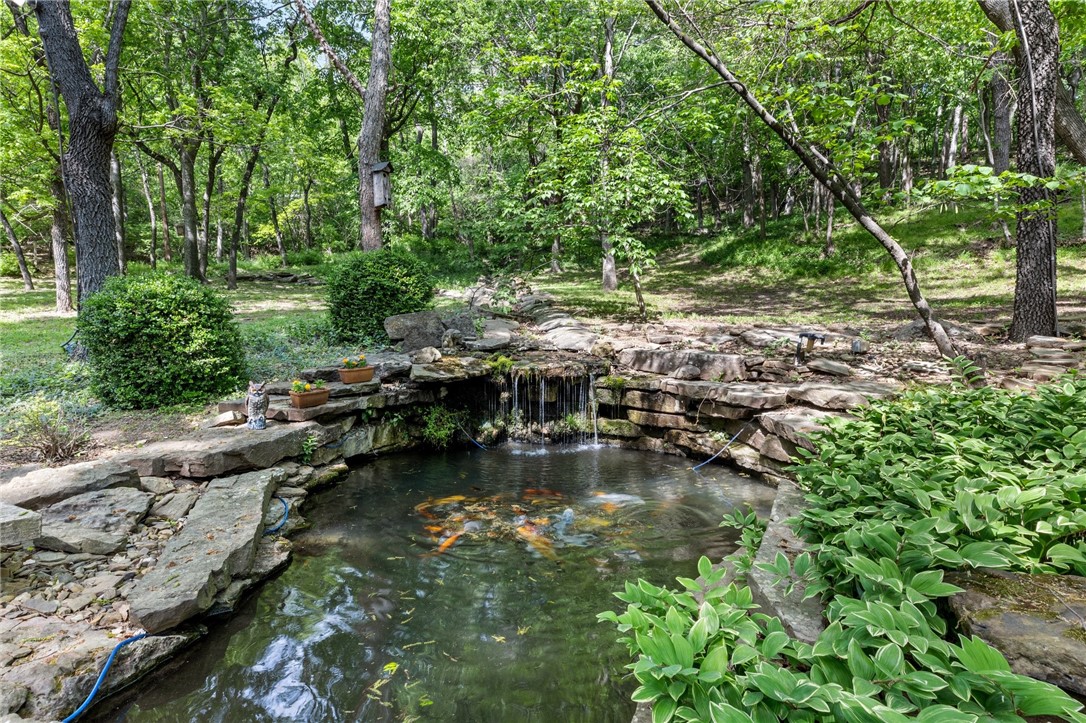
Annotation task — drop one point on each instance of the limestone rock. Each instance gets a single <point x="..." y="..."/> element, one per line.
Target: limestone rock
<point x="417" y="330"/>
<point x="712" y="366"/>
<point x="843" y="395"/>
<point x="716" y="410"/>
<point x="488" y="344"/>
<point x="97" y="523"/>
<point x="829" y="366"/>
<point x="763" y="338"/>
<point x="753" y="396"/>
<point x="665" y="421"/>
<point x="43" y="487"/>
<point x="215" y="452"/>
<point x="796" y="424"/>
<point x="918" y="331"/>
<point x="801" y="618"/>
<point x="18" y="526"/>
<point x="157" y="485"/>
<point x="227" y="419"/>
<point x="1055" y="342"/>
<point x="1034" y="620"/>
<point x="687" y="372"/>
<point x="618" y="428"/>
<point x="216" y="545"/>
<point x="175" y="506"/>
<point x="657" y="402"/>
<point x="572" y="338"/>
<point x="426" y="355"/>
<point x="12" y="697"/>
<point x="389" y="365"/>
<point x="449" y="369"/>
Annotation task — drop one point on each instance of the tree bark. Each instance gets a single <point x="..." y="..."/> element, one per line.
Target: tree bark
<point x="609" y="272"/>
<point x="828" y="175"/>
<point x="117" y="206"/>
<point x="218" y="224"/>
<point x="187" y="165"/>
<point x="28" y="283"/>
<point x="167" y="252"/>
<point x="92" y="114"/>
<point x="204" y="249"/>
<point x="280" y="245"/>
<point x="1070" y="126"/>
<point x="1038" y="73"/>
<point x="308" y="227"/>
<point x="1003" y="105"/>
<point x="373" y="124"/>
<point x="59" y="230"/>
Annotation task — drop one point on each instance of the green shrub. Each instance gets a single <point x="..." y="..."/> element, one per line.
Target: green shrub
<point x="44" y="429"/>
<point x="439" y="424"/>
<point x="9" y="266"/>
<point x="367" y="287"/>
<point x="154" y="340"/>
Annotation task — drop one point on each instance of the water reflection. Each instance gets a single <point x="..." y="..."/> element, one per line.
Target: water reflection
<point x="381" y="618"/>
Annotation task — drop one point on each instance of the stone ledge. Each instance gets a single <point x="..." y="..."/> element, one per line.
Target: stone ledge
<point x="48" y="485"/>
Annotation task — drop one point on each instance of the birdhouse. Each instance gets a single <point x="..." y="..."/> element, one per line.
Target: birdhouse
<point x="382" y="186"/>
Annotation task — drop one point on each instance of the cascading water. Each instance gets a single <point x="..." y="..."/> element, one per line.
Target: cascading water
<point x="532" y="405"/>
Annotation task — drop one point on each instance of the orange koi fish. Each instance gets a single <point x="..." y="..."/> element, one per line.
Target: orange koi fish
<point x="541" y="492"/>
<point x="539" y="543"/>
<point x="448" y="542"/>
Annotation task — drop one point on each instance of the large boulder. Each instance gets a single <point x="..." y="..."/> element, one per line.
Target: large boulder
<point x="417" y="330"/>
<point x="713" y="366"/>
<point x="43" y="487"/>
<point x="1034" y="620"/>
<point x="217" y="544"/>
<point x="94" y="522"/>
<point x="842" y="395"/>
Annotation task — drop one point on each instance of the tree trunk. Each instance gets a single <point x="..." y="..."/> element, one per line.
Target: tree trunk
<point x="58" y="235"/>
<point x="239" y="216"/>
<point x="373" y="124"/>
<point x="1038" y="73"/>
<point x="153" y="251"/>
<point x="609" y="274"/>
<point x="308" y="227"/>
<point x="279" y="244"/>
<point x="209" y="189"/>
<point x="28" y="283"/>
<point x="92" y="114"/>
<point x="167" y="252"/>
<point x="950" y="142"/>
<point x="218" y="224"/>
<point x="1070" y="126"/>
<point x="828" y="248"/>
<point x="187" y="164"/>
<point x="1003" y="106"/>
<point x="886" y="150"/>
<point x="118" y="209"/>
<point x="748" y="178"/>
<point x="826" y="174"/>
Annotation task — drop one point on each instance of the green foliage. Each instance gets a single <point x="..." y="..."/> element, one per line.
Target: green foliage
<point x="940" y="479"/>
<point x="45" y="429"/>
<point x="309" y="446"/>
<point x="614" y="382"/>
<point x="155" y="340"/>
<point x="439" y="425"/>
<point x="9" y="266"/>
<point x="499" y="365"/>
<point x="367" y="287"/>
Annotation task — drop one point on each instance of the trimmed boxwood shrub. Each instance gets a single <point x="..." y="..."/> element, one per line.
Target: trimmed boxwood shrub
<point x="367" y="287"/>
<point x="154" y="340"/>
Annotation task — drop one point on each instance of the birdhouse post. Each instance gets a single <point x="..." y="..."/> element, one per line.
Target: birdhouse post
<point x="382" y="186"/>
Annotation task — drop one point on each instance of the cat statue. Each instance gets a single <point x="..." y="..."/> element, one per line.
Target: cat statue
<point x="256" y="406"/>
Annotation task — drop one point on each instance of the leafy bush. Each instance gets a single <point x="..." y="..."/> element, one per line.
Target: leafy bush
<point x="367" y="287"/>
<point x="154" y="340"/>
<point x="45" y="429"/>
<point x="939" y="479"/>
<point x="439" y="424"/>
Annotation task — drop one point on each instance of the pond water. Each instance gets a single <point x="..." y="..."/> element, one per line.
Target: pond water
<point x="457" y="587"/>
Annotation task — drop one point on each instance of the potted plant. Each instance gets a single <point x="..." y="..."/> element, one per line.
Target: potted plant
<point x="308" y="394"/>
<point x="354" y="371"/>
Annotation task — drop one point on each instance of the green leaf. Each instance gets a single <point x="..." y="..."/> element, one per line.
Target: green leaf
<point x="980" y="657"/>
<point x="663" y="710"/>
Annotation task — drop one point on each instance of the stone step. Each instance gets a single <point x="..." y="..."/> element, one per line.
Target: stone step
<point x="711" y="365"/>
<point x="215" y="452"/>
<point x="217" y="544"/>
<point x="18" y="526"/>
<point x="45" y="486"/>
<point x="336" y="390"/>
<point x="840" y="395"/>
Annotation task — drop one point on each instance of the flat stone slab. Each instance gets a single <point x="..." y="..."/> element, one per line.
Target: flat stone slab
<point x="215" y="452"/>
<point x="97" y="523"/>
<point x="751" y="395"/>
<point x="217" y="544"/>
<point x="48" y="485"/>
<point x="1036" y="621"/>
<point x="572" y="338"/>
<point x="839" y="395"/>
<point x="17" y="525"/>
<point x="796" y="424"/>
<point x="801" y="618"/>
<point x="1055" y="342"/>
<point x="713" y="366"/>
<point x="336" y="389"/>
<point x="829" y="366"/>
<point x="450" y="369"/>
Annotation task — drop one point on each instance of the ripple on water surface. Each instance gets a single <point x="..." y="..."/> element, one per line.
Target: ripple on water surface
<point x="457" y="587"/>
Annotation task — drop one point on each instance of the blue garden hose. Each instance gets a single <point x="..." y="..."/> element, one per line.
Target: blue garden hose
<point x="101" y="677"/>
<point x="286" y="516"/>
<point x="480" y="446"/>
<point x="695" y="468"/>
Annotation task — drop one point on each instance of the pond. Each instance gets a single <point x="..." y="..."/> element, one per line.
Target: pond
<point x="457" y="587"/>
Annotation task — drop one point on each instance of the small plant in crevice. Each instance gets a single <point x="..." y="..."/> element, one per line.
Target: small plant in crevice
<point x="499" y="365"/>
<point x="309" y="446"/>
<point x="440" y="425"/>
<point x="614" y="383"/>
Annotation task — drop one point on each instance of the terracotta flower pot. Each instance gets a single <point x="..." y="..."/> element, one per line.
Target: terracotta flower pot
<point x="314" y="398"/>
<point x="356" y="375"/>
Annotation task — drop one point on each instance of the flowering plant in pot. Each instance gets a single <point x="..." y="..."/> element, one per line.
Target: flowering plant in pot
<point x="307" y="394"/>
<point x="355" y="370"/>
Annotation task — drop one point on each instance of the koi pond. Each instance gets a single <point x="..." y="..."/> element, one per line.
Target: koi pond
<point x="457" y="587"/>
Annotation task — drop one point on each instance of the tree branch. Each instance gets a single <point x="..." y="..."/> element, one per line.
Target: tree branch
<point x="351" y="78"/>
<point x="113" y="55"/>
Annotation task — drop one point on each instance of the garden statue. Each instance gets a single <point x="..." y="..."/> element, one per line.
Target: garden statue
<point x="256" y="406"/>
